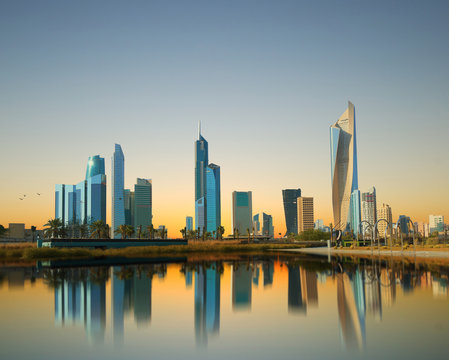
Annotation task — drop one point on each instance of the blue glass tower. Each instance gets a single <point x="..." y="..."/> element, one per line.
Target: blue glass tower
<point x="95" y="166"/>
<point x="213" y="211"/>
<point x="96" y="198"/>
<point x="201" y="162"/>
<point x="118" y="187"/>
<point x="59" y="201"/>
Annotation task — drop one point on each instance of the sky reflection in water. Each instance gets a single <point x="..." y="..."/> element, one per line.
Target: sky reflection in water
<point x="253" y="307"/>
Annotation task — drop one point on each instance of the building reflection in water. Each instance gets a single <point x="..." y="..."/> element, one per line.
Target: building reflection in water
<point x="295" y="299"/>
<point x="351" y="310"/>
<point x="363" y="289"/>
<point x="207" y="302"/>
<point x="80" y="298"/>
<point x="241" y="280"/>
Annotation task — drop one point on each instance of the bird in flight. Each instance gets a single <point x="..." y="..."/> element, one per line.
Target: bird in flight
<point x="38" y="194"/>
<point x="20" y="199"/>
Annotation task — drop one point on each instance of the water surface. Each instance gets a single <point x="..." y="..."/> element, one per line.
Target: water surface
<point x="244" y="307"/>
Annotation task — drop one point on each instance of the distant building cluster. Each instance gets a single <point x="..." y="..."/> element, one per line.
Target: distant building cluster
<point x="353" y="211"/>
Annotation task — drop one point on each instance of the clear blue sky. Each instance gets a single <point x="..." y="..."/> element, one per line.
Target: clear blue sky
<point x="266" y="78"/>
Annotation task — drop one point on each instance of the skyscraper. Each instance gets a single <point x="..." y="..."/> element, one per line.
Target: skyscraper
<point x="384" y="212"/>
<point x="263" y="224"/>
<point x="84" y="202"/>
<point x="354" y="212"/>
<point x="289" y="197"/>
<point x="189" y="223"/>
<point x="305" y="214"/>
<point x="436" y="223"/>
<point x="207" y="179"/>
<point x="242" y="211"/>
<point x="118" y="187"/>
<point x="201" y="162"/>
<point x="343" y="166"/>
<point x="213" y="201"/>
<point x="142" y="203"/>
<point x="369" y="207"/>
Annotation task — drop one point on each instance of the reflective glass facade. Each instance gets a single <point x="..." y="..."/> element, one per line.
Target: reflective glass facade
<point x="289" y="197"/>
<point x="85" y="202"/>
<point x="96" y="198"/>
<point x="95" y="166"/>
<point x="343" y="148"/>
<point x="189" y="223"/>
<point x="118" y="187"/>
<point x="201" y="162"/>
<point x="354" y="220"/>
<point x="213" y="191"/>
<point x="142" y="203"/>
<point x="242" y="211"/>
<point x="263" y="224"/>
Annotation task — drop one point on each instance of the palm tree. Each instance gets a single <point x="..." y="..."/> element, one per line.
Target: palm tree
<point x="236" y="233"/>
<point x="220" y="232"/>
<point x="139" y="231"/>
<point x="129" y="230"/>
<point x="122" y="230"/>
<point x="54" y="228"/>
<point x="183" y="233"/>
<point x="150" y="229"/>
<point x="84" y="229"/>
<point x="164" y="233"/>
<point x="249" y="235"/>
<point x="207" y="235"/>
<point x="98" y="229"/>
<point x="213" y="234"/>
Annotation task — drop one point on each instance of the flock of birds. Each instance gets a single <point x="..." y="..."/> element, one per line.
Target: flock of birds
<point x="24" y="196"/>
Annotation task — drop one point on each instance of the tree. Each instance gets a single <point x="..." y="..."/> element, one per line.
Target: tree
<point x="124" y="231"/>
<point x="139" y="231"/>
<point x="183" y="233"/>
<point x="84" y="230"/>
<point x="236" y="234"/>
<point x="3" y="231"/>
<point x="163" y="233"/>
<point x="213" y="234"/>
<point x="99" y="230"/>
<point x="249" y="234"/>
<point x="150" y="229"/>
<point x="220" y="232"/>
<point x="54" y="229"/>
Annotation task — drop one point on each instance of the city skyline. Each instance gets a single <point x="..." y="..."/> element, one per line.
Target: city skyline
<point x="254" y="101"/>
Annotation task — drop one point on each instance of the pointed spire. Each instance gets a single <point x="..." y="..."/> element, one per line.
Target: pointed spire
<point x="199" y="129"/>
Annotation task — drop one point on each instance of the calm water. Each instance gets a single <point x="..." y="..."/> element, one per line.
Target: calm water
<point x="236" y="308"/>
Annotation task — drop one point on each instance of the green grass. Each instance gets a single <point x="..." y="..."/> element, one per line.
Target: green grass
<point x="210" y="248"/>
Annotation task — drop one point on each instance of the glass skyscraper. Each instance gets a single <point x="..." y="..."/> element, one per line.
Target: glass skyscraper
<point x="189" y="223"/>
<point x="213" y="208"/>
<point x="343" y="148"/>
<point x="290" y="197"/>
<point x="118" y="187"/>
<point x="84" y="202"/>
<point x="207" y="178"/>
<point x="242" y="211"/>
<point x="142" y="203"/>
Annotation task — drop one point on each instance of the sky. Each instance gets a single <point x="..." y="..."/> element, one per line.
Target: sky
<point x="265" y="78"/>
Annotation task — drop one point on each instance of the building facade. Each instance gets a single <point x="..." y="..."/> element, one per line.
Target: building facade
<point x="369" y="208"/>
<point x="118" y="187"/>
<point x="305" y="214"/>
<point x="189" y="223"/>
<point x="436" y="223"/>
<point x="343" y="148"/>
<point x="242" y="211"/>
<point x="354" y="212"/>
<point x="143" y="201"/>
<point x="84" y="202"/>
<point x="384" y="212"/>
<point x="207" y="188"/>
<point x="289" y="197"/>
<point x="263" y="224"/>
<point x="213" y="201"/>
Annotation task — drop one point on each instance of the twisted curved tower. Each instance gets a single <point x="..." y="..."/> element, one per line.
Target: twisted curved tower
<point x="344" y="170"/>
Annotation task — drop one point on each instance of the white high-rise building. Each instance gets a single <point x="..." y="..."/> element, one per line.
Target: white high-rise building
<point x="384" y="212"/>
<point x="344" y="170"/>
<point x="369" y="208"/>
<point x="436" y="223"/>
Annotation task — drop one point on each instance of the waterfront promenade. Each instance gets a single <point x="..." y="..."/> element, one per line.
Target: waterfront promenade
<point x="408" y="253"/>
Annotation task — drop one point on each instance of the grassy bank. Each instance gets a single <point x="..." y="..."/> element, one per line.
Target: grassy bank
<point x="30" y="252"/>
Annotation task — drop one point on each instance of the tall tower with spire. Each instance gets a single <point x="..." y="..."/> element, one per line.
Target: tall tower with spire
<point x="207" y="188"/>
